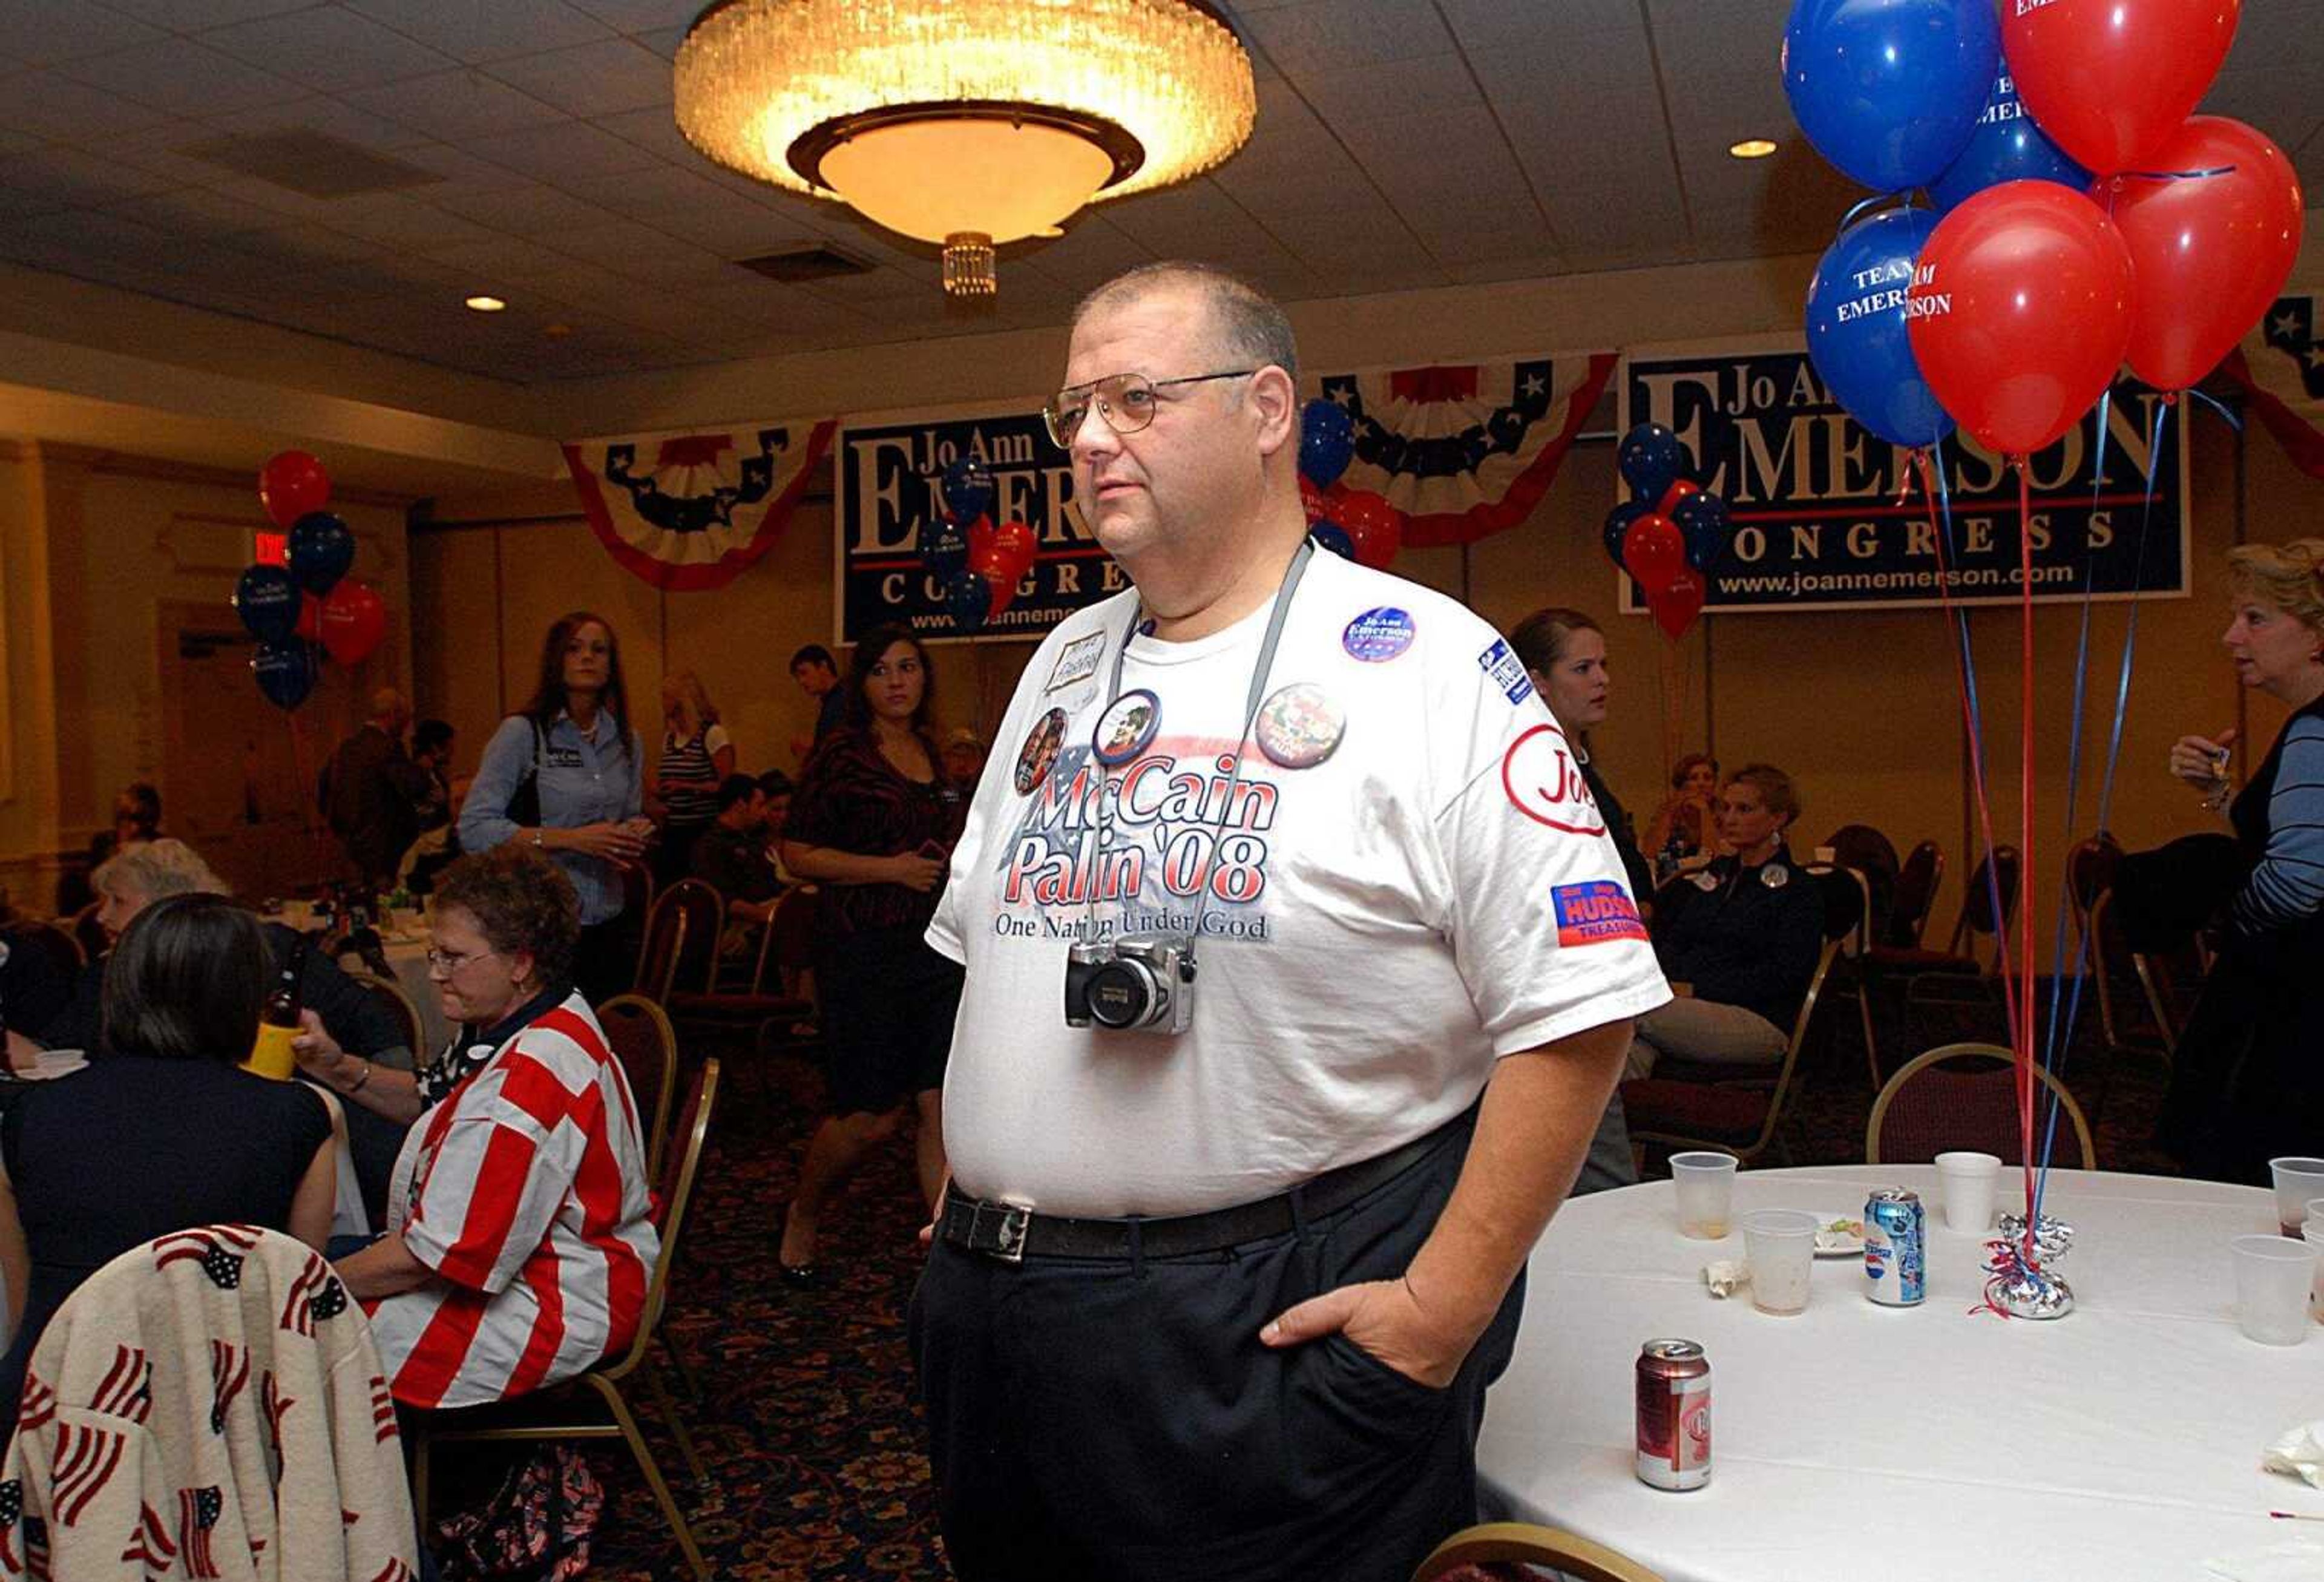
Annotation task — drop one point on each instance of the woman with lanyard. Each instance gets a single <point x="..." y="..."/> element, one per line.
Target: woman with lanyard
<point x="2247" y="1082"/>
<point x="566" y="776"/>
<point x="1565" y="652"/>
<point x="872" y="824"/>
<point x="695" y="757"/>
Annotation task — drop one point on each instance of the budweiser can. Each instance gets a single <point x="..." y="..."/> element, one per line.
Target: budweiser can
<point x="1673" y="1414"/>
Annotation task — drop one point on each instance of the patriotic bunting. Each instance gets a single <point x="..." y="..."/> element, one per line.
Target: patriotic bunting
<point x="691" y="512"/>
<point x="1465" y="451"/>
<point x="2279" y="367"/>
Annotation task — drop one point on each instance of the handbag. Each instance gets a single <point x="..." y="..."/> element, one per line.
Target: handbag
<point x="524" y="802"/>
<point x="536" y="1527"/>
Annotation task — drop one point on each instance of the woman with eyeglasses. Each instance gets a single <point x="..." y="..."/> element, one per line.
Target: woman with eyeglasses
<point x="518" y="1247"/>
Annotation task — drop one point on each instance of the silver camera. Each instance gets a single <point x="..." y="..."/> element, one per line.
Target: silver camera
<point x="1138" y="983"/>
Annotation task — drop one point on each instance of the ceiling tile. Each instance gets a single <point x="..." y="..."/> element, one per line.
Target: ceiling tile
<point x="327" y="48"/>
<point x="500" y="258"/>
<point x="1323" y="35"/>
<point x="572" y="154"/>
<point x="631" y="16"/>
<point x="40" y="33"/>
<point x="656" y="129"/>
<point x="396" y="220"/>
<point x="182" y="77"/>
<point x="333" y="117"/>
<point x="70" y="178"/>
<point x="58" y="109"/>
<point x="525" y="209"/>
<point x="480" y="32"/>
<point x="192" y="15"/>
<point x="605" y="78"/>
<point x="1498" y="23"/>
<point x="648" y="188"/>
<point x="302" y="245"/>
<point x="454" y="106"/>
<point x="1357" y="95"/>
<point x="197" y="211"/>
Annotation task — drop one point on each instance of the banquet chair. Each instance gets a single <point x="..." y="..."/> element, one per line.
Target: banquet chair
<point x="1915" y="896"/>
<point x="1499" y="1549"/>
<point x="1931" y="1106"/>
<point x="90" y="933"/>
<point x="391" y="998"/>
<point x="519" y="1420"/>
<point x="1693" y="1106"/>
<point x="640" y="1034"/>
<point x="62" y="949"/>
<point x="1972" y="954"/>
<point x="1872" y="854"/>
<point x="723" y="1013"/>
<point x="681" y="939"/>
<point x="2089" y="873"/>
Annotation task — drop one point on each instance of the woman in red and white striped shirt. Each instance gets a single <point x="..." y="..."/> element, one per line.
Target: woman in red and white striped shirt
<point x="519" y="1246"/>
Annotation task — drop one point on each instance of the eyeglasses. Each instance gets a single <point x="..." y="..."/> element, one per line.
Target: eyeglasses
<point x="446" y="962"/>
<point x="1127" y="399"/>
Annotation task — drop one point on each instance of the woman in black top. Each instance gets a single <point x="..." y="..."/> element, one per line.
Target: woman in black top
<point x="1565" y="652"/>
<point x="2247" y="1078"/>
<point x="205" y="1142"/>
<point x="872" y="824"/>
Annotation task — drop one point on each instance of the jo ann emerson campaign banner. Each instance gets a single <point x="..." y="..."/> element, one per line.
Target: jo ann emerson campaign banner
<point x="889" y="481"/>
<point x="1822" y="517"/>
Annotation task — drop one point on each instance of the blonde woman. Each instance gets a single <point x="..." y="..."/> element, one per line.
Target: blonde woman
<point x="2247" y="1084"/>
<point x="695" y="757"/>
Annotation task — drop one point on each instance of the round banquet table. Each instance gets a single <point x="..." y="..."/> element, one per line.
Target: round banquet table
<point x="1854" y="1439"/>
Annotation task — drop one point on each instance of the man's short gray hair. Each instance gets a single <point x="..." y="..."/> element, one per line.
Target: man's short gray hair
<point x="147" y="870"/>
<point x="1251" y="329"/>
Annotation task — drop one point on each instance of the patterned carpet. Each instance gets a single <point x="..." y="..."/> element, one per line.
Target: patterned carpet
<point x="808" y="1420"/>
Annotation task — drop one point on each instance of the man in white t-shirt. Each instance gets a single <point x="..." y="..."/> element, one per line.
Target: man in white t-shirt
<point x="1222" y="1301"/>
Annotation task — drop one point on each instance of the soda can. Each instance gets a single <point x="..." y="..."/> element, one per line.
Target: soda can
<point x="1673" y="1414"/>
<point x="1895" y="1243"/>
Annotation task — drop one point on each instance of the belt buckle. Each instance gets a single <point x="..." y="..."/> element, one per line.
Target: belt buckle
<point x="998" y="1231"/>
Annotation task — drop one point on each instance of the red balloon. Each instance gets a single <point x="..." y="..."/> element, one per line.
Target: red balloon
<point x="1654" y="551"/>
<point x="353" y="620"/>
<point x="311" y="618"/>
<point x="979" y="534"/>
<point x="2210" y="251"/>
<point x="291" y="484"/>
<point x="2108" y="79"/>
<point x="1679" y="490"/>
<point x="2019" y="312"/>
<point x="1015" y="544"/>
<point x="1374" y="527"/>
<point x="1677" y="605"/>
<point x="1313" y="500"/>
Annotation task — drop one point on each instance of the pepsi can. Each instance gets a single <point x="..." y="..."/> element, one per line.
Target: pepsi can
<point x="1895" y="1243"/>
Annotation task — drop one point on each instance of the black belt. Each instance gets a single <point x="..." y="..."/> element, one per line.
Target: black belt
<point x="1007" y="1232"/>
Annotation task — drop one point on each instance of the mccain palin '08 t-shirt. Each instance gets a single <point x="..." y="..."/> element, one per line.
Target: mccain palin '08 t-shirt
<point x="1411" y="882"/>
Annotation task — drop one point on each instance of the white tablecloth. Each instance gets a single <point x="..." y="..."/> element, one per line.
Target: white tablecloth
<point x="1858" y="1440"/>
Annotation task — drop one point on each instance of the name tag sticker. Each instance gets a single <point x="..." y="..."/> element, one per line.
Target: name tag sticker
<point x="1593" y="913"/>
<point x="564" y="758"/>
<point x="1077" y="663"/>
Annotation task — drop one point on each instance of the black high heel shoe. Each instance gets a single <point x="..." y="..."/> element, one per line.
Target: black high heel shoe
<point x="798" y="1276"/>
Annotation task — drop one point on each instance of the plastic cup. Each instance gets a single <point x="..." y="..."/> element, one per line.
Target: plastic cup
<point x="1779" y="1244"/>
<point x="1968" y="1182"/>
<point x="2298" y="1182"/>
<point x="2313" y="1234"/>
<point x="1706" y="1193"/>
<point x="2272" y="1279"/>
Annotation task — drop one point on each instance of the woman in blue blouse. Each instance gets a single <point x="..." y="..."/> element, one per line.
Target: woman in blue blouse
<point x="566" y="775"/>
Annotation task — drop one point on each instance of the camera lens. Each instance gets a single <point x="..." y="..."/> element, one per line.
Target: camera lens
<point x="1124" y="994"/>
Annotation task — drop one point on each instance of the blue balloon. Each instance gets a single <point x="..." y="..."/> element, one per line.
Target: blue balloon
<point x="1701" y="519"/>
<point x="1890" y="90"/>
<point x="268" y="601"/>
<point x="1857" y="336"/>
<point x="2006" y="146"/>
<point x="1327" y="442"/>
<point x="1618" y="526"/>
<point x="968" y="600"/>
<point x="285" y="672"/>
<point x="969" y="488"/>
<point x="321" y="550"/>
<point x="1331" y="536"/>
<point x="944" y="547"/>
<point x="1651" y="459"/>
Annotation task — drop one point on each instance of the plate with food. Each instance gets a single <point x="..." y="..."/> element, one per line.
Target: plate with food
<point x="1840" y="1236"/>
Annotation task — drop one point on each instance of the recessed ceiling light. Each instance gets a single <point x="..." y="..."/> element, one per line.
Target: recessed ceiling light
<point x="1752" y="148"/>
<point x="487" y="304"/>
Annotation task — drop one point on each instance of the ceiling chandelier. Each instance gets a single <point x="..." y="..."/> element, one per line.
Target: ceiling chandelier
<point x="967" y="124"/>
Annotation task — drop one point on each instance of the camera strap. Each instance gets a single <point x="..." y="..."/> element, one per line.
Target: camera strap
<point x="1255" y="695"/>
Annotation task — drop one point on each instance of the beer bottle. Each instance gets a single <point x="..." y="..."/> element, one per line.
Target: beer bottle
<point x="278" y="1020"/>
